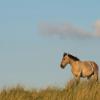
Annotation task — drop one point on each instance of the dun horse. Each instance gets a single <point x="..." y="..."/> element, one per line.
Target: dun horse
<point x="80" y="68"/>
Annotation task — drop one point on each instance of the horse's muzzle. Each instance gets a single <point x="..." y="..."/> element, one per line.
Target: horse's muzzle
<point x="62" y="66"/>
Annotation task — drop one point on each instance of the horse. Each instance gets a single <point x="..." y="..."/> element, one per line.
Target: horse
<point x="84" y="69"/>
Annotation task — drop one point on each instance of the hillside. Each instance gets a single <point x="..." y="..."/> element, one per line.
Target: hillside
<point x="72" y="91"/>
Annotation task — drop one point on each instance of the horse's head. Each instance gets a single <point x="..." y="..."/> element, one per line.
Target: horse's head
<point x="65" y="60"/>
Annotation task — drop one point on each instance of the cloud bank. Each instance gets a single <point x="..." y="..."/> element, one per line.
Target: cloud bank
<point x="66" y="29"/>
<point x="97" y="28"/>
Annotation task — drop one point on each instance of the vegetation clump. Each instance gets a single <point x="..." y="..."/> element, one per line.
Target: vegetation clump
<point x="85" y="90"/>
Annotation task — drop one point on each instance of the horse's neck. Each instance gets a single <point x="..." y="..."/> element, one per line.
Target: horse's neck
<point x="73" y="63"/>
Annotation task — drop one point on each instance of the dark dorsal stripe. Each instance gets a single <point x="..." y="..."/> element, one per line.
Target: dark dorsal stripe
<point x="72" y="57"/>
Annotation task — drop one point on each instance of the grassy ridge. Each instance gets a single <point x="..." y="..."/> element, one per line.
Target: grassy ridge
<point x="72" y="91"/>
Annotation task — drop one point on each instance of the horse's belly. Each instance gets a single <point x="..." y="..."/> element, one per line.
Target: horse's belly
<point x="87" y="72"/>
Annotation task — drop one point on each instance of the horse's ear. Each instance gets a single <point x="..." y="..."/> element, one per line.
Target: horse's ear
<point x="64" y="54"/>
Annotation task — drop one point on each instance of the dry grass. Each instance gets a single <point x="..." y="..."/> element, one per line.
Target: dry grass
<point x="72" y="91"/>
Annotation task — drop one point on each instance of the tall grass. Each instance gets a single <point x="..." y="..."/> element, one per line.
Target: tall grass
<point x="72" y="91"/>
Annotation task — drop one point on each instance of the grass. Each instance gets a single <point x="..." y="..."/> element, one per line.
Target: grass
<point x="72" y="91"/>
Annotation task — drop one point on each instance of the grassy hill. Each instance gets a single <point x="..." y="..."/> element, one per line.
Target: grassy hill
<point x="72" y="91"/>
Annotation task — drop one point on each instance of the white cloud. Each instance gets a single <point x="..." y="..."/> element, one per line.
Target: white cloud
<point x="67" y="29"/>
<point x="97" y="28"/>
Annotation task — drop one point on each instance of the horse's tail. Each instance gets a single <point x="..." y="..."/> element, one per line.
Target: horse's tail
<point x="96" y="71"/>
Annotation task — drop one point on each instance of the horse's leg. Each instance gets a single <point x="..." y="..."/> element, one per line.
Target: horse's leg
<point x="95" y="76"/>
<point x="77" y="79"/>
<point x="88" y="77"/>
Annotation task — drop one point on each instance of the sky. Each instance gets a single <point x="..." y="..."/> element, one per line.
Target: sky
<point x="34" y="34"/>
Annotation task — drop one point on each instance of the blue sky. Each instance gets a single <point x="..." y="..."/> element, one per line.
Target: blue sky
<point x="30" y="57"/>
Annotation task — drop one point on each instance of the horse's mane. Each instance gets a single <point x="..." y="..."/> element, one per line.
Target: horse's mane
<point x="72" y="57"/>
